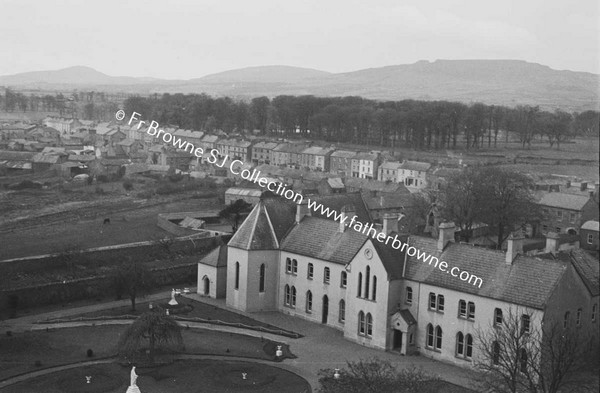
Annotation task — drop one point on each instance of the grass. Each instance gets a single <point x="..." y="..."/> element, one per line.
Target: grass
<point x="182" y="376"/>
<point x="20" y="351"/>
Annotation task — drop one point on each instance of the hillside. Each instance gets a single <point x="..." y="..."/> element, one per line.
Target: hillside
<point x="499" y="82"/>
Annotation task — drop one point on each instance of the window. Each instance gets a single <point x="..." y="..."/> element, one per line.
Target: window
<point x="308" y="301"/>
<point x="432" y="301"/>
<point x="523" y="361"/>
<point x="261" y="281"/>
<point x="594" y="307"/>
<point x="369" y="325"/>
<point x="559" y="214"/>
<point x="430" y="335"/>
<point x="344" y="279"/>
<point x="361" y="323"/>
<point x="471" y="311"/>
<point x="545" y="211"/>
<point x="438" y="337"/>
<point x="367" y="281"/>
<point x="469" y="353"/>
<point x="557" y="229"/>
<point x="590" y="238"/>
<point x="326" y="275"/>
<point x="495" y="352"/>
<point x="462" y="308"/>
<point x="578" y="320"/>
<point x="359" y="284"/>
<point x="237" y="276"/>
<point x="342" y="311"/>
<point x="286" y="295"/>
<point x="440" y="303"/>
<point x="288" y="265"/>
<point x="566" y="320"/>
<point x="409" y="295"/>
<point x="573" y="217"/>
<point x="525" y="321"/>
<point x="294" y="266"/>
<point x="498" y="317"/>
<point x="460" y="344"/>
<point x="310" y="272"/>
<point x="293" y="302"/>
<point x="374" y="296"/>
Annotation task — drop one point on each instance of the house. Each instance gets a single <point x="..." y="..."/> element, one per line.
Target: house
<point x="565" y="213"/>
<point x="375" y="188"/>
<point x="340" y="162"/>
<point x="212" y="273"/>
<point x="388" y="171"/>
<point x="15" y="162"/>
<point x="413" y="174"/>
<point x="316" y="158"/>
<point x="46" y="133"/>
<point x="262" y="152"/>
<point x="439" y="177"/>
<point x="43" y="161"/>
<point x="236" y="149"/>
<point x="15" y="130"/>
<point x="295" y="151"/>
<point x="589" y="235"/>
<point x="331" y="185"/>
<point x="207" y="143"/>
<point x="281" y="154"/>
<point x="191" y="136"/>
<point x="128" y="147"/>
<point x="364" y="165"/>
<point x="248" y="195"/>
<point x="66" y="126"/>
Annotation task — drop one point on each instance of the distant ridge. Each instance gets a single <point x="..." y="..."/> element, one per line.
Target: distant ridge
<point x="498" y="82"/>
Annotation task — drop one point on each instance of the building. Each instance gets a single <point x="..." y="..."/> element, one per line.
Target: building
<point x="234" y="148"/>
<point x="281" y="154"/>
<point x="248" y="195"/>
<point x="212" y="273"/>
<point x="262" y="152"/>
<point x="364" y="165"/>
<point x="64" y="125"/>
<point x="388" y="171"/>
<point x="565" y="213"/>
<point x="283" y="258"/>
<point x="340" y="162"/>
<point x="589" y="235"/>
<point x="413" y="174"/>
<point x="316" y="158"/>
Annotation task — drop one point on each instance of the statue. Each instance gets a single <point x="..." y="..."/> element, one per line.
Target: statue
<point x="133" y="387"/>
<point x="173" y="302"/>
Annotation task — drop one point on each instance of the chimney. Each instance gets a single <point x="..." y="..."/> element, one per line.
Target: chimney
<point x="302" y="210"/>
<point x="390" y="223"/>
<point x="347" y="211"/>
<point x="552" y="242"/>
<point x="514" y="246"/>
<point x="446" y="234"/>
<point x="583" y="186"/>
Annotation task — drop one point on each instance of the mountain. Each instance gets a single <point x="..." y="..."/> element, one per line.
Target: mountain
<point x="498" y="82"/>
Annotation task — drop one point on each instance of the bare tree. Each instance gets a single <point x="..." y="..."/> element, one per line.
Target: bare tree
<point x="134" y="279"/>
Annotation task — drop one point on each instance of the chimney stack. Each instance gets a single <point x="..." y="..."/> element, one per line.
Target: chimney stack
<point x="301" y="211"/>
<point x="446" y="235"/>
<point x="514" y="246"/>
<point x="347" y="211"/>
<point x="390" y="223"/>
<point x="552" y="242"/>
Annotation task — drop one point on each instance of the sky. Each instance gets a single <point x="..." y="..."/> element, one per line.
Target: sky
<point x="192" y="38"/>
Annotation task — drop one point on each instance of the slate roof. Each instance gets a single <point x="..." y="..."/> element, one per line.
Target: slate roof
<point x="393" y="165"/>
<point x="564" y="201"/>
<point x="243" y="192"/>
<point x="408" y="317"/>
<point x="416" y="166"/>
<point x="319" y="238"/>
<point x="374" y="185"/>
<point x="338" y="201"/>
<point x="584" y="264"/>
<point x="388" y="201"/>
<point x="591" y="226"/>
<point x="343" y="154"/>
<point x="216" y="258"/>
<point x="392" y="259"/>
<point x="529" y="281"/>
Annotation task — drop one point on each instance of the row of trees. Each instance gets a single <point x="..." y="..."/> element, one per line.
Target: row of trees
<point x="417" y="124"/>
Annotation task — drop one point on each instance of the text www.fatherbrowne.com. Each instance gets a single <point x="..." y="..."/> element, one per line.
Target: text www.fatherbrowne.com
<point x="236" y="167"/>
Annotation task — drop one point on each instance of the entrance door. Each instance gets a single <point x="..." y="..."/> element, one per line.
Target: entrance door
<point x="206" y="286"/>
<point x="397" y="340"/>
<point x="325" y="309"/>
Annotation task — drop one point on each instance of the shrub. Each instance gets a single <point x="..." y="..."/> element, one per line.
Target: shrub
<point x="102" y="178"/>
<point x="127" y="185"/>
<point x="175" y="177"/>
<point x="99" y="190"/>
<point x="90" y="353"/>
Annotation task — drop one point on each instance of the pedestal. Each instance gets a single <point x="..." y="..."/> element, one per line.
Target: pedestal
<point x="133" y="389"/>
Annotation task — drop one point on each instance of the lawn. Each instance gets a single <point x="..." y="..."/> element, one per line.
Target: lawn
<point x="182" y="376"/>
<point x="20" y="352"/>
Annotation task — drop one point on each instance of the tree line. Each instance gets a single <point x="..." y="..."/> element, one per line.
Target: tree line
<point x="409" y="123"/>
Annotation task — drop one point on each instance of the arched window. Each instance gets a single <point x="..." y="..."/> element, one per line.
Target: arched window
<point x="525" y="323"/>
<point x="261" y="281"/>
<point x="471" y="311"/>
<point x="367" y="281"/>
<point x="344" y="279"/>
<point x="288" y="265"/>
<point x="566" y="321"/>
<point x="342" y="311"/>
<point x="308" y="301"/>
<point x="430" y="337"/>
<point x="294" y="266"/>
<point x="462" y="308"/>
<point x="359" y="284"/>
<point x="440" y="303"/>
<point x="361" y="323"/>
<point x="374" y="297"/>
<point x="369" y="325"/>
<point x="469" y="352"/>
<point x="432" y="301"/>
<point x="523" y="361"/>
<point x="237" y="276"/>
<point x="286" y="295"/>
<point x="578" y="320"/>
<point x="460" y="344"/>
<point x="311" y="271"/>
<point x="438" y="337"/>
<point x="495" y="352"/>
<point x="326" y="275"/>
<point x="409" y="295"/>
<point x="293" y="296"/>
<point x="498" y="320"/>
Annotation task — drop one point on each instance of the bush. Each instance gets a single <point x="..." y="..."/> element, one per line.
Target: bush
<point x="127" y="185"/>
<point x="175" y="177"/>
<point x="100" y="191"/>
<point x="90" y="353"/>
<point x="102" y="178"/>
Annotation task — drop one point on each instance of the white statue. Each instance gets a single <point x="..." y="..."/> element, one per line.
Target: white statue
<point x="173" y="302"/>
<point x="133" y="387"/>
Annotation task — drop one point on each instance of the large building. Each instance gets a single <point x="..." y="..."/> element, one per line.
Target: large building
<point x="284" y="259"/>
<point x="566" y="213"/>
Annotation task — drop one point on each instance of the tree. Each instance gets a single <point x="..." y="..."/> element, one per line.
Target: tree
<point x="543" y="359"/>
<point x="132" y="278"/>
<point x="152" y="330"/>
<point x="557" y="127"/>
<point x="375" y="376"/>
<point x="234" y="211"/>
